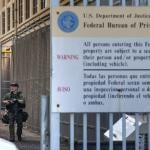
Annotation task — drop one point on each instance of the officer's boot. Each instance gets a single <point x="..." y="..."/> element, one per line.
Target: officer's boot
<point x="12" y="131"/>
<point x="19" y="131"/>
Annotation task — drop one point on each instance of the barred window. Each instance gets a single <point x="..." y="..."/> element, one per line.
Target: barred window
<point x="34" y="6"/>
<point x="13" y="15"/>
<point x="8" y="19"/>
<point x="42" y="4"/>
<point x="3" y="3"/>
<point x="27" y="9"/>
<point x="20" y="11"/>
<point x="3" y="22"/>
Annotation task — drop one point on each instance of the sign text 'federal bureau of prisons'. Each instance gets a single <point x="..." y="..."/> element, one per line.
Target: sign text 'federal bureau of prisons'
<point x="100" y="59"/>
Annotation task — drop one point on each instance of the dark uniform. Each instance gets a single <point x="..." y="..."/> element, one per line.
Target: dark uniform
<point x="14" y="108"/>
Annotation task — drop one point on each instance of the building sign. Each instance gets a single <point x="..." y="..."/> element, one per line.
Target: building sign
<point x="100" y="59"/>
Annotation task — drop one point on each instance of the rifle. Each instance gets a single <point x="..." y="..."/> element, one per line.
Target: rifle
<point x="12" y="101"/>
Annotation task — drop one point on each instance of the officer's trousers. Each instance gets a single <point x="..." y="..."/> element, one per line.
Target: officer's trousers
<point x="15" y="117"/>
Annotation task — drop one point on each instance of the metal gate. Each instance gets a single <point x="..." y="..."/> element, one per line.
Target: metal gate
<point x="55" y="117"/>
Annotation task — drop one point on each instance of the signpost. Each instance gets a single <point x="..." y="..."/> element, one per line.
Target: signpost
<point x="100" y="59"/>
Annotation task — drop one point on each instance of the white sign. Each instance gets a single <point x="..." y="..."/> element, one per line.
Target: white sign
<point x="96" y="73"/>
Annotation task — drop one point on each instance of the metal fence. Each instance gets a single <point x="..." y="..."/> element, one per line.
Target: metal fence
<point x="78" y="125"/>
<point x="31" y="71"/>
<point x="5" y="74"/>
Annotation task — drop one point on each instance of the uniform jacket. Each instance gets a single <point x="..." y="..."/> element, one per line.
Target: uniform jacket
<point x="17" y="99"/>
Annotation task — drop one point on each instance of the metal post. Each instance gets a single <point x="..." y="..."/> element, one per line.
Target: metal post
<point x="54" y="117"/>
<point x="148" y="2"/>
<point x="55" y="131"/>
<point x="136" y="2"/>
<point x="111" y="131"/>
<point x="71" y="131"/>
<point x="85" y="131"/>
<point x="54" y="3"/>
<point x="123" y="2"/>
<point x="98" y="130"/>
<point x="123" y="131"/>
<point x="71" y="2"/>
<point x="98" y="124"/>
<point x="111" y="114"/>
<point x="72" y="115"/>
<point x="98" y="2"/>
<point x="110" y="2"/>
<point x="124" y="115"/>
<point x="85" y="2"/>
<point x="44" y="123"/>
<point x="137" y="131"/>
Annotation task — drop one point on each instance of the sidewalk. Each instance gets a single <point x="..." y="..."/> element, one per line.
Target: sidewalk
<point x="30" y="140"/>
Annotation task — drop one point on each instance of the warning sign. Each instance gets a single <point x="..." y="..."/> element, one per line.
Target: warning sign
<point x="100" y="59"/>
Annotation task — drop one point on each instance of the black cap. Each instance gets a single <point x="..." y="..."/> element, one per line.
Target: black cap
<point x="14" y="84"/>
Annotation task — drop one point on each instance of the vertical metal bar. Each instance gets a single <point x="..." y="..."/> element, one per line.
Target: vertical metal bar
<point x="123" y="115"/>
<point x="136" y="114"/>
<point x="148" y="2"/>
<point x="110" y="114"/>
<point x="110" y="2"/>
<point x="71" y="2"/>
<point x="136" y="2"/>
<point x="84" y="131"/>
<point x="55" y="131"/>
<point x="123" y="131"/>
<point x="137" y="131"/>
<point x="44" y="123"/>
<point x="71" y="131"/>
<point x="148" y="131"/>
<point x="98" y="2"/>
<point x="123" y="2"/>
<point x="98" y="141"/>
<point x="54" y="117"/>
<point x="85" y="2"/>
<point x="110" y="131"/>
<point x="142" y="2"/>
<point x="71" y="115"/>
<point x="54" y="3"/>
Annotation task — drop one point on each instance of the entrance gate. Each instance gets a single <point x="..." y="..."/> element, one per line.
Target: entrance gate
<point x="55" y="116"/>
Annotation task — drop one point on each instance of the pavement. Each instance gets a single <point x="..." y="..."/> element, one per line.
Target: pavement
<point x="30" y="140"/>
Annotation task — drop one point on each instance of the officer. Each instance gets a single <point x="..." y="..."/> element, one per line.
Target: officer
<point x="14" y="102"/>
